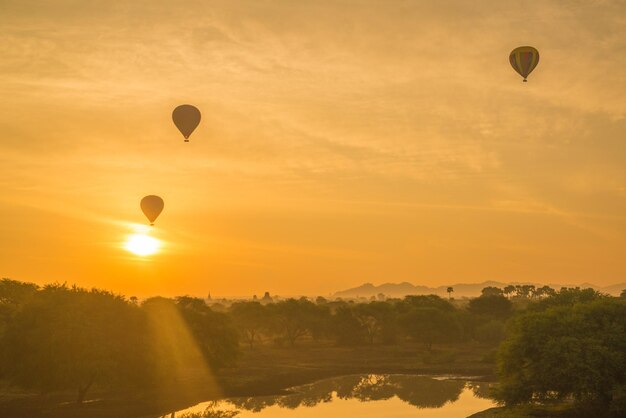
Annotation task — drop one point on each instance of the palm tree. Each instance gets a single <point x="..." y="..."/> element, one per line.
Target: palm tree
<point x="450" y="290"/>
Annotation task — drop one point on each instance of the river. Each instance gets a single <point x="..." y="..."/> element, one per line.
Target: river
<point x="363" y="396"/>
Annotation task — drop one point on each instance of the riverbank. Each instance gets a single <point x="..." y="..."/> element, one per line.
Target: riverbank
<point x="265" y="370"/>
<point x="269" y="370"/>
<point x="555" y="411"/>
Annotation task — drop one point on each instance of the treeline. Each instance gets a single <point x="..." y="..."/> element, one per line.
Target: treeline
<point x="424" y="319"/>
<point x="59" y="337"/>
<point x="567" y="344"/>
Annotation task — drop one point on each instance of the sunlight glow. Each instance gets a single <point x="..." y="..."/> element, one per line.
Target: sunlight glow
<point x="142" y="245"/>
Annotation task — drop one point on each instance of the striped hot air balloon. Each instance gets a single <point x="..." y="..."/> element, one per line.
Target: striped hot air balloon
<point x="524" y="60"/>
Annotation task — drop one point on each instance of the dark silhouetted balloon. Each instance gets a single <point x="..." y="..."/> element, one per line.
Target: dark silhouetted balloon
<point x="524" y="60"/>
<point x="152" y="206"/>
<point x="186" y="118"/>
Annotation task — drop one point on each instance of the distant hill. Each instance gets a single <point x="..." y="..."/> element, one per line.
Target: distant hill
<point x="399" y="290"/>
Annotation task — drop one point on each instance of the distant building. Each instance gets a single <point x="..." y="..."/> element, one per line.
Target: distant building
<point x="267" y="298"/>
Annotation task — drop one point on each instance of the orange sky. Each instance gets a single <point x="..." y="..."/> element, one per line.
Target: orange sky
<point x="341" y="142"/>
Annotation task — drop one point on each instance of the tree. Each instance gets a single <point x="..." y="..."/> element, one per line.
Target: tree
<point x="293" y="318"/>
<point x="509" y="290"/>
<point x="13" y="294"/>
<point x="567" y="350"/>
<point x="73" y="338"/>
<point x="250" y="318"/>
<point x="426" y="301"/>
<point x="377" y="320"/>
<point x="346" y="328"/>
<point x="567" y="297"/>
<point x="450" y="289"/>
<point x="319" y="321"/>
<point x="526" y="291"/>
<point x="495" y="306"/>
<point x="545" y="291"/>
<point x="320" y="300"/>
<point x="213" y="331"/>
<point x="492" y="291"/>
<point x="430" y="326"/>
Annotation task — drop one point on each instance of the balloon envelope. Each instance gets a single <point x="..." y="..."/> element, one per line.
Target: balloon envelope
<point x="186" y="118"/>
<point x="524" y="60"/>
<point x="151" y="206"/>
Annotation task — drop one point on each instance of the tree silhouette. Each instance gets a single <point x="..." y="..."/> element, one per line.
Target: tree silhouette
<point x="72" y="338"/>
<point x="492" y="291"/>
<point x="377" y="320"/>
<point x="419" y="391"/>
<point x="430" y="326"/>
<point x="495" y="306"/>
<point x="250" y="318"/>
<point x="293" y="318"/>
<point x="509" y="290"/>
<point x="567" y="350"/>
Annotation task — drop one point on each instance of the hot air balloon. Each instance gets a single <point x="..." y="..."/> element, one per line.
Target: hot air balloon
<point x="186" y="118"/>
<point x="151" y="206"/>
<point x="524" y="60"/>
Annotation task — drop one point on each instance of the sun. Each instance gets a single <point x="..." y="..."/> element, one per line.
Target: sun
<point x="142" y="245"/>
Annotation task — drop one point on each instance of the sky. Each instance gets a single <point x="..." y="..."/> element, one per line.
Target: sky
<point x="341" y="142"/>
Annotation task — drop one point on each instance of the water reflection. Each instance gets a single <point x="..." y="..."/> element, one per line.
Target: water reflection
<point x="417" y="391"/>
<point x="480" y="389"/>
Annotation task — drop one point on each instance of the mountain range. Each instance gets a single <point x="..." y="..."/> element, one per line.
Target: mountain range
<point x="460" y="289"/>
